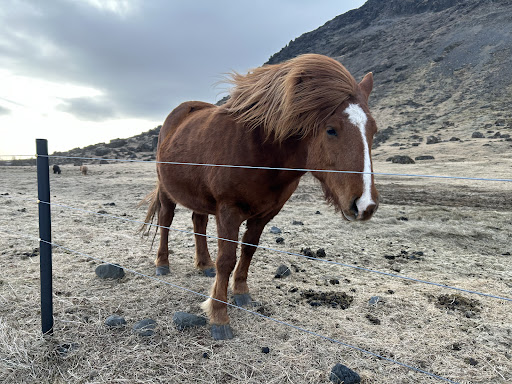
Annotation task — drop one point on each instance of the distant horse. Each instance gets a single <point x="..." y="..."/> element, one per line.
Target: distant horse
<point x="306" y="113"/>
<point x="56" y="169"/>
<point x="84" y="169"/>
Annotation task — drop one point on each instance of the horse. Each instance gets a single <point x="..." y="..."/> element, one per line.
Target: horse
<point x="305" y="113"/>
<point x="56" y="169"/>
<point x="84" y="170"/>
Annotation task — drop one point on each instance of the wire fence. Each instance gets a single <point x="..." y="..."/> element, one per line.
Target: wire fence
<point x="336" y="263"/>
<point x="277" y="168"/>
<point x="300" y="329"/>
<point x="285" y="169"/>
<point x="313" y="333"/>
<point x="285" y="252"/>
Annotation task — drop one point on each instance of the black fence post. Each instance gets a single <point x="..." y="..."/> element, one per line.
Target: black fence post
<point x="45" y="235"/>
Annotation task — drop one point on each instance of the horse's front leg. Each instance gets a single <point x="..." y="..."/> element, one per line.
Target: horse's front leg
<point x="251" y="236"/>
<point x="228" y="224"/>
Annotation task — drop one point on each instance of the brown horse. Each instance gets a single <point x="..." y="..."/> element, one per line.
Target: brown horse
<point x="306" y="113"/>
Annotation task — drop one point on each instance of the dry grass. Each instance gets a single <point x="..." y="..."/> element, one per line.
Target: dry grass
<point x="463" y="246"/>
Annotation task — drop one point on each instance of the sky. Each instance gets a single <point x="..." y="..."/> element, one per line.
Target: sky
<point x="81" y="72"/>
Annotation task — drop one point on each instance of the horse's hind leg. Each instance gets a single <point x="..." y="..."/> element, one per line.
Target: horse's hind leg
<point x="252" y="236"/>
<point x="203" y="260"/>
<point x="165" y="216"/>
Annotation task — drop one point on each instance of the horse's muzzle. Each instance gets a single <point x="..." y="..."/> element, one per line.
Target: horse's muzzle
<point x="361" y="211"/>
<point x="368" y="212"/>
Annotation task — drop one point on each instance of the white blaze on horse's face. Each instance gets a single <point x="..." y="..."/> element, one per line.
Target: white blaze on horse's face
<point x="357" y="117"/>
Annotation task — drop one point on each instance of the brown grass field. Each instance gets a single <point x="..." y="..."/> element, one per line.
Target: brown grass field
<point x="453" y="232"/>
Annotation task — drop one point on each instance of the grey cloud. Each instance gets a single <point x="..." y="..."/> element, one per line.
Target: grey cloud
<point x="4" y="111"/>
<point x="88" y="108"/>
<point x="150" y="58"/>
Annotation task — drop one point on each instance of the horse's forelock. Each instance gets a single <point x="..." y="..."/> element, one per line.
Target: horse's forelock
<point x="291" y="98"/>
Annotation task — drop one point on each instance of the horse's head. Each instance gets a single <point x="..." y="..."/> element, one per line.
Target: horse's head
<point x="344" y="143"/>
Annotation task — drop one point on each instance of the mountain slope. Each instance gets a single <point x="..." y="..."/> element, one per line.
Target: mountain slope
<point x="437" y="63"/>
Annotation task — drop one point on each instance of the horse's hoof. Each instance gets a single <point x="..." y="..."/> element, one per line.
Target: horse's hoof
<point x="243" y="300"/>
<point x="221" y="332"/>
<point x="210" y="272"/>
<point x="162" y="270"/>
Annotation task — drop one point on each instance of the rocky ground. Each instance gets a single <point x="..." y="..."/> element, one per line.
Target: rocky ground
<point x="451" y="232"/>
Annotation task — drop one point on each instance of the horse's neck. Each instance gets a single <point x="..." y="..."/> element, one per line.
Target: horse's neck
<point x="291" y="153"/>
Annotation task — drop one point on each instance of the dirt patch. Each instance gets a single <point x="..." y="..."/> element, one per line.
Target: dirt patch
<point x="330" y="299"/>
<point x="458" y="303"/>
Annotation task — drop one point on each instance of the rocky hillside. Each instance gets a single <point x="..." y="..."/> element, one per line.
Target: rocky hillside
<point x="140" y="147"/>
<point x="442" y="68"/>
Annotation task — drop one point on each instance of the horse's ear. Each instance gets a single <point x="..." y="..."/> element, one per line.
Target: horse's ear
<point x="366" y="85"/>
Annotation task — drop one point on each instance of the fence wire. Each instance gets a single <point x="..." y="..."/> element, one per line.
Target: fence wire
<point x="283" y="169"/>
<point x="300" y="329"/>
<point x="407" y="278"/>
<point x="285" y="252"/>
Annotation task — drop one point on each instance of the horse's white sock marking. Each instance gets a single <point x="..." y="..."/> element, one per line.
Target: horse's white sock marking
<point x="357" y="117"/>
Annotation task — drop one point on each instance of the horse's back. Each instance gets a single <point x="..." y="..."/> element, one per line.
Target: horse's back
<point x="178" y="116"/>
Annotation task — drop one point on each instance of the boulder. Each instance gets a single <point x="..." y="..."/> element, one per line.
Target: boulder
<point x="109" y="271"/>
<point x="341" y="374"/>
<point x="426" y="157"/>
<point x="432" y="140"/>
<point x="275" y="230"/>
<point x="282" y="271"/>
<point x="101" y="151"/>
<point x="401" y="159"/>
<point x="184" y="320"/>
<point x="115" y="321"/>
<point x="144" y="327"/>
<point x="117" y="143"/>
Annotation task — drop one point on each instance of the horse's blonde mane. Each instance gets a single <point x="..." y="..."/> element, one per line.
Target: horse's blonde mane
<point x="291" y="98"/>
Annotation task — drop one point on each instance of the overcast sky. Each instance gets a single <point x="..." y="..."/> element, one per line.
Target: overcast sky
<point x="79" y="72"/>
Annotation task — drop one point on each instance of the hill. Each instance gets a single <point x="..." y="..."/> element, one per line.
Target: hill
<point x="442" y="68"/>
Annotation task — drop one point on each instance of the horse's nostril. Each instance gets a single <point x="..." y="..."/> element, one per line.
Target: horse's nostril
<point x="363" y="211"/>
<point x="353" y="208"/>
<point x="371" y="209"/>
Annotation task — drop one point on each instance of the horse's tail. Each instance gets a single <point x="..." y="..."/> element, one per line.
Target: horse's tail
<point x="153" y="209"/>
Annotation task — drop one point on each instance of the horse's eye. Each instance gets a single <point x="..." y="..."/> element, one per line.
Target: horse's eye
<point x="331" y="132"/>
